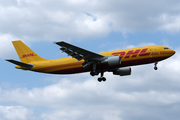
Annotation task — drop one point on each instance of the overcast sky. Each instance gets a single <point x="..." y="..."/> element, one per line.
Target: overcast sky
<point x="98" y="26"/>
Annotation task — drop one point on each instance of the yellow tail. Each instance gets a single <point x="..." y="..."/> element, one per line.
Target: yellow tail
<point x="26" y="55"/>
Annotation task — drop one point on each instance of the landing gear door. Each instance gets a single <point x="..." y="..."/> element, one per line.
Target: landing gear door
<point x="154" y="51"/>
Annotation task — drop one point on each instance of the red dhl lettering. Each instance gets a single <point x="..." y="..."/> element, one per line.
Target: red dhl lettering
<point x="121" y="54"/>
<point x="28" y="55"/>
<point x="143" y="52"/>
<point x="132" y="53"/>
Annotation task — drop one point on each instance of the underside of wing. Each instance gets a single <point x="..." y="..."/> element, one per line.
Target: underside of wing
<point x="79" y="53"/>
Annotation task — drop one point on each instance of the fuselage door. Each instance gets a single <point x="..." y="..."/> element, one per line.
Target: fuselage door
<point x="154" y="51"/>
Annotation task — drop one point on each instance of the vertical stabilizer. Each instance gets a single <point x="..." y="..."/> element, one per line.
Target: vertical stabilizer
<point x="26" y="55"/>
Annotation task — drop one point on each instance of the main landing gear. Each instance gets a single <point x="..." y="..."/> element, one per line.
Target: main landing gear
<point x="102" y="78"/>
<point x="155" y="68"/>
<point x="95" y="72"/>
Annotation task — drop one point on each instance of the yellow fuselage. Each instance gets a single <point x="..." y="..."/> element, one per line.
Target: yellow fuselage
<point x="129" y="57"/>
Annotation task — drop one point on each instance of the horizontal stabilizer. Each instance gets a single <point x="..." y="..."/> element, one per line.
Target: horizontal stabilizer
<point x="28" y="66"/>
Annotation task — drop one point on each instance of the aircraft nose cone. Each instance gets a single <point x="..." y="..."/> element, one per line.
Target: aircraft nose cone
<point x="173" y="52"/>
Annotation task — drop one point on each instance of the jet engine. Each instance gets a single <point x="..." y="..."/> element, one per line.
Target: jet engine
<point x="112" y="61"/>
<point x="122" y="71"/>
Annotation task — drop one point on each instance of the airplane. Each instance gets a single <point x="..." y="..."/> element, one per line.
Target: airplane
<point x="118" y="62"/>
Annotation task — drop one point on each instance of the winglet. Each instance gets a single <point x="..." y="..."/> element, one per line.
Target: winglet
<point x="23" y="65"/>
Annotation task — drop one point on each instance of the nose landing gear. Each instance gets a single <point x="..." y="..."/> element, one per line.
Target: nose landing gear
<point x="155" y="68"/>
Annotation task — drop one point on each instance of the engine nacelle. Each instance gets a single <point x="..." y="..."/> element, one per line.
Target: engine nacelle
<point x="122" y="71"/>
<point x="112" y="61"/>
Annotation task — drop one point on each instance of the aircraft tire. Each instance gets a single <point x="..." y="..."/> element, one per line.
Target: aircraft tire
<point x="155" y="68"/>
<point x="99" y="79"/>
<point x="104" y="79"/>
<point x="92" y="73"/>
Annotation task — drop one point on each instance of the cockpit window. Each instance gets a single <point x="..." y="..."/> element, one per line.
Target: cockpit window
<point x="166" y="48"/>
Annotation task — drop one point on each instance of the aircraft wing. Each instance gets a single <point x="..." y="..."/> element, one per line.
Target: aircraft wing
<point x="79" y="53"/>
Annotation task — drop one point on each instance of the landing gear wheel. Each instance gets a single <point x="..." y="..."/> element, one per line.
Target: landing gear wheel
<point x="93" y="73"/>
<point x="104" y="79"/>
<point x="155" y="68"/>
<point x="101" y="79"/>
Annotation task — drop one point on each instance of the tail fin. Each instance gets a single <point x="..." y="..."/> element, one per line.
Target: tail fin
<point x="26" y="55"/>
